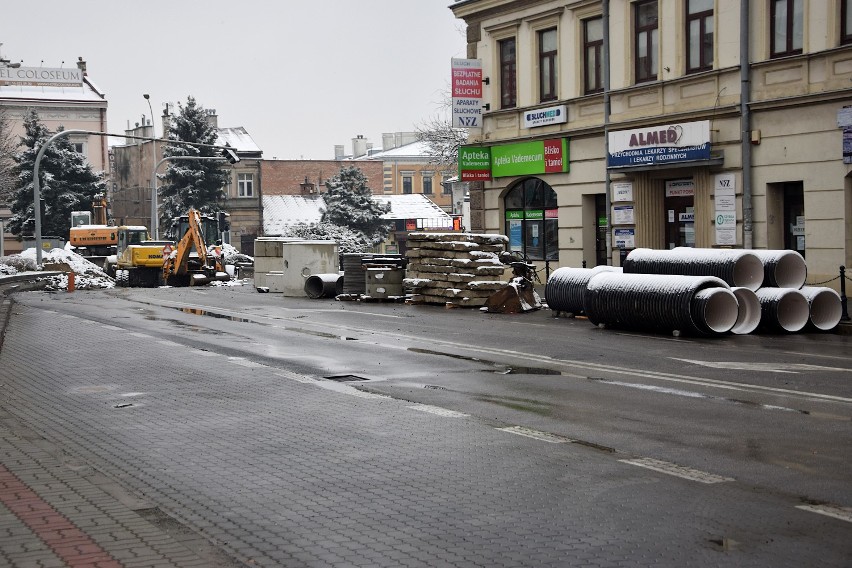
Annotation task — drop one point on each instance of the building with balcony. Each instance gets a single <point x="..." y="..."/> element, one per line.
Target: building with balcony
<point x="610" y="125"/>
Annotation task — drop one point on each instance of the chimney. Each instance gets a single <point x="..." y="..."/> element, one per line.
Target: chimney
<point x="359" y="146"/>
<point x="338" y="152"/>
<point x="212" y="117"/>
<point x="81" y="65"/>
<point x="387" y="141"/>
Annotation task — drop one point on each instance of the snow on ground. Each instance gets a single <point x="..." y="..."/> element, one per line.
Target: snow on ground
<point x="87" y="275"/>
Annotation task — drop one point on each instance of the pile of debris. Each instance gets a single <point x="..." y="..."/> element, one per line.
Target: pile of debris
<point x="454" y="269"/>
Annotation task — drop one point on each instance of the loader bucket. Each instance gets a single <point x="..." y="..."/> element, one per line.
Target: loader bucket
<point x="516" y="297"/>
<point x="199" y="279"/>
<point x="223" y="277"/>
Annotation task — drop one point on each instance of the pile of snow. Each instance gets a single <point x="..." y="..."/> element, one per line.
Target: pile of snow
<point x="87" y="275"/>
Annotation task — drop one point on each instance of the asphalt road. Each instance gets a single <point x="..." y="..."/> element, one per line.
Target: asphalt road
<point x="298" y="432"/>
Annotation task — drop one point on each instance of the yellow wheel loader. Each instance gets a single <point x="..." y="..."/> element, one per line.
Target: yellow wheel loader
<point x="139" y="262"/>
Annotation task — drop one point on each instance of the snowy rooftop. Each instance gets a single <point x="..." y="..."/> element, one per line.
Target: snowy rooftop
<point x="413" y="150"/>
<point x="87" y="93"/>
<point x="237" y="138"/>
<point x="280" y="211"/>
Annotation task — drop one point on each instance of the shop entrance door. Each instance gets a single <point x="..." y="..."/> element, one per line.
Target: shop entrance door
<point x="794" y="217"/>
<point x="680" y="213"/>
<point x="602" y="230"/>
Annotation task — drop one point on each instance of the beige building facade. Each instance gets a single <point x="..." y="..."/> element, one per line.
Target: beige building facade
<point x="720" y="123"/>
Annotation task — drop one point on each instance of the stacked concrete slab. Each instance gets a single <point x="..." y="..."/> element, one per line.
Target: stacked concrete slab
<point x="454" y="269"/>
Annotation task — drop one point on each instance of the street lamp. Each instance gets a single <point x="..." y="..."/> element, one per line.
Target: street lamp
<point x="153" y="178"/>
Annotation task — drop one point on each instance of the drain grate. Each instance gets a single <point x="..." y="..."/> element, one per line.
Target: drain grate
<point x="345" y="378"/>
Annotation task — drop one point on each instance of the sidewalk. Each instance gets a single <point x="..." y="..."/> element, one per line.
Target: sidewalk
<point x="55" y="512"/>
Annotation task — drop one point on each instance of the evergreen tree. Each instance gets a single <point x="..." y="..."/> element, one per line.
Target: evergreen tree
<point x="191" y="183"/>
<point x="349" y="203"/>
<point x="8" y="147"/>
<point x="66" y="182"/>
<point x="347" y="239"/>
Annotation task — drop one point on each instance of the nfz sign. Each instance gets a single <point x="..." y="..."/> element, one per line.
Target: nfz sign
<point x="467" y="93"/>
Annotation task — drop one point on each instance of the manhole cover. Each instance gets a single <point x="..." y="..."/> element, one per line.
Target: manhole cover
<point x="345" y="378"/>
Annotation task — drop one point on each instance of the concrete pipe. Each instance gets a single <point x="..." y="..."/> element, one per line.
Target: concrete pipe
<point x="656" y="302"/>
<point x="735" y="267"/>
<point x="322" y="285"/>
<point x="748" y="311"/>
<point x="825" y="305"/>
<point x="783" y="309"/>
<point x="782" y="268"/>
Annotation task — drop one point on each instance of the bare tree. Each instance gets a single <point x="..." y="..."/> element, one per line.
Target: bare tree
<point x="8" y="147"/>
<point x="440" y="136"/>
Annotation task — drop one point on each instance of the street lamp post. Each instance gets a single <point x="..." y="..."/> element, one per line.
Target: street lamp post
<point x="153" y="178"/>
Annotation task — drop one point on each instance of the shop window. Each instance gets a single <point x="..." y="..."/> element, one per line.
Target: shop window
<point x="787" y="20"/>
<point x="646" y="40"/>
<point x="245" y="185"/>
<point x="547" y="51"/>
<point x="532" y="223"/>
<point x="508" y="74"/>
<point x="593" y="49"/>
<point x="699" y="35"/>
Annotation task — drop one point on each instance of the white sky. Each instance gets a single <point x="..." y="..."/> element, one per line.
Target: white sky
<point x="299" y="76"/>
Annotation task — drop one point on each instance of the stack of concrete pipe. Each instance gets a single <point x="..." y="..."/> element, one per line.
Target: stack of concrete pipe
<point x="657" y="289"/>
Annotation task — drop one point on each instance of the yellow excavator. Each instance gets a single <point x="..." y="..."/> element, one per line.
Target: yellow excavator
<point x="139" y="262"/>
<point x="191" y="263"/>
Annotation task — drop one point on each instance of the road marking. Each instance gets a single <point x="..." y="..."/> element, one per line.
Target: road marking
<point x="112" y="327"/>
<point x="139" y="335"/>
<point x="438" y="411"/>
<point x="677" y="470"/>
<point x="842" y="513"/>
<point x="767" y="367"/>
<point x="536" y="434"/>
<point x="244" y="362"/>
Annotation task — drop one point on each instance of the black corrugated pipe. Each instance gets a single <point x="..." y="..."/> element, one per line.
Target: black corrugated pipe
<point x="735" y="267"/>
<point x="566" y="287"/>
<point x="323" y="285"/>
<point x="670" y="303"/>
<point x="783" y="309"/>
<point x="824" y="305"/>
<point x="782" y="268"/>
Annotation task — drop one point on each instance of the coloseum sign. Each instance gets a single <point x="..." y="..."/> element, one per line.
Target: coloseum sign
<point x="41" y="77"/>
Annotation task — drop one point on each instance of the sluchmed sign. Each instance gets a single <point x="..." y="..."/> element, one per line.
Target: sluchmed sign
<point x="467" y="93"/>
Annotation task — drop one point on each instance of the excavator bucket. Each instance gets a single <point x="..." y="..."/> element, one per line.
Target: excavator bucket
<point x="516" y="297"/>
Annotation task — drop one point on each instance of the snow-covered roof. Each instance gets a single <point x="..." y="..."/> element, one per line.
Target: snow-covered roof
<point x="86" y="93"/>
<point x="411" y="206"/>
<point x="280" y="211"/>
<point x="413" y="150"/>
<point x="237" y="138"/>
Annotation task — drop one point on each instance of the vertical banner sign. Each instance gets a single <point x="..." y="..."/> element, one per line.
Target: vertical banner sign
<point x="474" y="163"/>
<point x="467" y="93"/>
<point x="724" y="195"/>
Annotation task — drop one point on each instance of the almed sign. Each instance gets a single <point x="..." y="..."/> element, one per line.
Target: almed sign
<point x="467" y="93"/>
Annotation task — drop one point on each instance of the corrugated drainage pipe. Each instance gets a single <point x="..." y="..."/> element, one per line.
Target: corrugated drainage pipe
<point x="783" y="309"/>
<point x="715" y="310"/>
<point x="826" y="307"/>
<point x="735" y="267"/>
<point x="322" y="285"/>
<point x="656" y="302"/>
<point x="566" y="287"/>
<point x="782" y="268"/>
<point x="748" y="318"/>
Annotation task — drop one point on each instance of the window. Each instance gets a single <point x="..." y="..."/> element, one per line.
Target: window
<point x="699" y="35"/>
<point x="532" y="220"/>
<point x="592" y="48"/>
<point x="508" y="72"/>
<point x="547" y="64"/>
<point x="646" y="40"/>
<point x="427" y="184"/>
<point x="245" y="185"/>
<point x="786" y="36"/>
<point x="406" y="184"/>
<point x="845" y="22"/>
<point x="447" y="188"/>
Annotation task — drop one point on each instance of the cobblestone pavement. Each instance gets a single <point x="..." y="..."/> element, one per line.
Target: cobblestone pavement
<point x="278" y="468"/>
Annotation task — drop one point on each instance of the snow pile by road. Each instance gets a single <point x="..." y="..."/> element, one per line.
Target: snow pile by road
<point x="87" y="275"/>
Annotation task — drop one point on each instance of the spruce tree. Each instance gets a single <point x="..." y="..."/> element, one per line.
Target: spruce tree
<point x="8" y="147"/>
<point x="349" y="203"/>
<point x="197" y="184"/>
<point x="66" y="182"/>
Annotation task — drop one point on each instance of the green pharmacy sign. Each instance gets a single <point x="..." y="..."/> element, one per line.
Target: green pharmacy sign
<point x="474" y="163"/>
<point x="530" y="158"/>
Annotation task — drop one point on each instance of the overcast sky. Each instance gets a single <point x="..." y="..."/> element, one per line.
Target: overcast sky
<point x="299" y="76"/>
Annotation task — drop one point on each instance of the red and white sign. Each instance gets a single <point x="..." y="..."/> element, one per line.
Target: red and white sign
<point x="167" y="251"/>
<point x="467" y="93"/>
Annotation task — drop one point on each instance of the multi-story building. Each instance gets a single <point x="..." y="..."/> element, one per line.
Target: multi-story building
<point x="63" y="97"/>
<point x="615" y="124"/>
<point x="133" y="167"/>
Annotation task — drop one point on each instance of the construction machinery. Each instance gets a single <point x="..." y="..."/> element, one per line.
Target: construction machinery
<point x="139" y="262"/>
<point x="195" y="259"/>
<point x="91" y="235"/>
